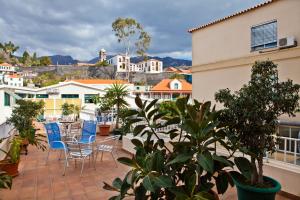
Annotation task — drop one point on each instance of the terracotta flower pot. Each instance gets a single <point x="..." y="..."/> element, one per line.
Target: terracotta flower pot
<point x="104" y="129"/>
<point x="11" y="168"/>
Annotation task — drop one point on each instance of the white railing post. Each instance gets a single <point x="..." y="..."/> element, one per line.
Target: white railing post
<point x="285" y="141"/>
<point x="295" y="152"/>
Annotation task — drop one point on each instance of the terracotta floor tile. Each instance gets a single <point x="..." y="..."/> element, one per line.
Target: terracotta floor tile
<point x="41" y="181"/>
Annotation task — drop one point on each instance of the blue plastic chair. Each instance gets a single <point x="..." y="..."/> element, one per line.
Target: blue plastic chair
<point x="54" y="138"/>
<point x="88" y="134"/>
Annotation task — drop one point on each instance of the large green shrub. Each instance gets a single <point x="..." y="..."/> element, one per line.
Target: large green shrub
<point x="251" y="116"/>
<point x="187" y="167"/>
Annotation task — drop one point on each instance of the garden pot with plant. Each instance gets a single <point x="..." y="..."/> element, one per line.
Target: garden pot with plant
<point x="22" y="118"/>
<point x="251" y="117"/>
<point x="11" y="163"/>
<point x="189" y="170"/>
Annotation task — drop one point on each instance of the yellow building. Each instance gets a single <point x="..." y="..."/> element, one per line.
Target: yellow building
<point x="224" y="50"/>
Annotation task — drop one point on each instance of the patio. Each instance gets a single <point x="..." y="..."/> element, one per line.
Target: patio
<point x="40" y="181"/>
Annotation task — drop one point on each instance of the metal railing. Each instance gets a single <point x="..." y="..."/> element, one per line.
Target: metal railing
<point x="287" y="150"/>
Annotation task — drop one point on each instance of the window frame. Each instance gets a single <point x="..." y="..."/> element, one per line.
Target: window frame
<point x="264" y="45"/>
<point x="63" y="96"/>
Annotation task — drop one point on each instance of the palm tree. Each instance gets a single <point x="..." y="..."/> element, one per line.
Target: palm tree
<point x="117" y="93"/>
<point x="9" y="48"/>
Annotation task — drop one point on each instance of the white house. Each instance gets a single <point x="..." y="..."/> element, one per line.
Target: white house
<point x="151" y="66"/>
<point x="13" y="80"/>
<point x="121" y="62"/>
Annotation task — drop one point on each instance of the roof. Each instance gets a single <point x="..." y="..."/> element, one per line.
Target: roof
<point x="14" y="76"/>
<point x="164" y="85"/>
<point x="100" y="81"/>
<point x="6" y="64"/>
<point x="179" y="71"/>
<point x="232" y="15"/>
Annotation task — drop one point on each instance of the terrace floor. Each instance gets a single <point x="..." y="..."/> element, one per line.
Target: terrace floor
<point x="40" y="181"/>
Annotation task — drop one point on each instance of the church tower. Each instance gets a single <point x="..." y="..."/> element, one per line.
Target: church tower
<point x="102" y="55"/>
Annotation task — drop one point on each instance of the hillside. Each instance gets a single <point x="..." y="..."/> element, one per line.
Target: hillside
<point x="63" y="60"/>
<point x="167" y="61"/>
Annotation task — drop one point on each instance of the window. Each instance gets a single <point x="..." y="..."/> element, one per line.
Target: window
<point x="22" y="95"/>
<point x="264" y="36"/>
<point x="30" y="95"/>
<point x="176" y="86"/>
<point x="70" y="96"/>
<point x="88" y="98"/>
<point x="42" y="96"/>
<point x="6" y="99"/>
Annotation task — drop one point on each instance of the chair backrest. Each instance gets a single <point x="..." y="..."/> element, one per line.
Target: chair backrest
<point x="53" y="132"/>
<point x="114" y="138"/>
<point x="74" y="148"/>
<point x="89" y="128"/>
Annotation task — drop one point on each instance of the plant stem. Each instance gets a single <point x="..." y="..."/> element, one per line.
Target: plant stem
<point x="254" y="171"/>
<point x="260" y="169"/>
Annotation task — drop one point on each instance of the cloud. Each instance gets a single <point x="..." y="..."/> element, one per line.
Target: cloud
<point x="80" y="28"/>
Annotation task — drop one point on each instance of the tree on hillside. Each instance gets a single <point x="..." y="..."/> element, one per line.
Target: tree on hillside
<point x="9" y="48"/>
<point x="45" y="61"/>
<point x="132" y="35"/>
<point x="26" y="59"/>
<point x="35" y="60"/>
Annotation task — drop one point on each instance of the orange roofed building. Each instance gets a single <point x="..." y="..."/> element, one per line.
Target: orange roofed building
<point x="168" y="89"/>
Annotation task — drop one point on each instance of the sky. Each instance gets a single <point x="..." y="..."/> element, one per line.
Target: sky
<point x="80" y="28"/>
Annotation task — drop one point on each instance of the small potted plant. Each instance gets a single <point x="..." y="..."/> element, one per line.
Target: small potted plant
<point x="104" y="107"/>
<point x="11" y="163"/>
<point x="185" y="166"/>
<point x="251" y="116"/>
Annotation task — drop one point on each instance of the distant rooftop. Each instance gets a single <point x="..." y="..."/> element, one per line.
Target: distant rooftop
<point x="164" y="85"/>
<point x="6" y="64"/>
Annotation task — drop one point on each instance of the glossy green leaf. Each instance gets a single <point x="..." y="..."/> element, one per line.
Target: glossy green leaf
<point x="206" y="161"/>
<point x="244" y="166"/>
<point x="138" y="129"/>
<point x="127" y="161"/>
<point x="163" y="181"/>
<point x="148" y="184"/>
<point x="137" y="142"/>
<point x="222" y="160"/>
<point x="221" y="183"/>
<point x="138" y="102"/>
<point x="150" y="105"/>
<point x="180" y="158"/>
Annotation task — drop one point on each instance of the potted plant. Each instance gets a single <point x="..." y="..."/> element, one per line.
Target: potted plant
<point x="22" y="117"/>
<point x="251" y="117"/>
<point x="11" y="162"/>
<point x="185" y="166"/>
<point x="104" y="106"/>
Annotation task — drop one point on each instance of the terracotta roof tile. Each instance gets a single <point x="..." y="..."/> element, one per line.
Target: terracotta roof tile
<point x="99" y="81"/>
<point x="6" y="64"/>
<point x="232" y="15"/>
<point x="164" y="85"/>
